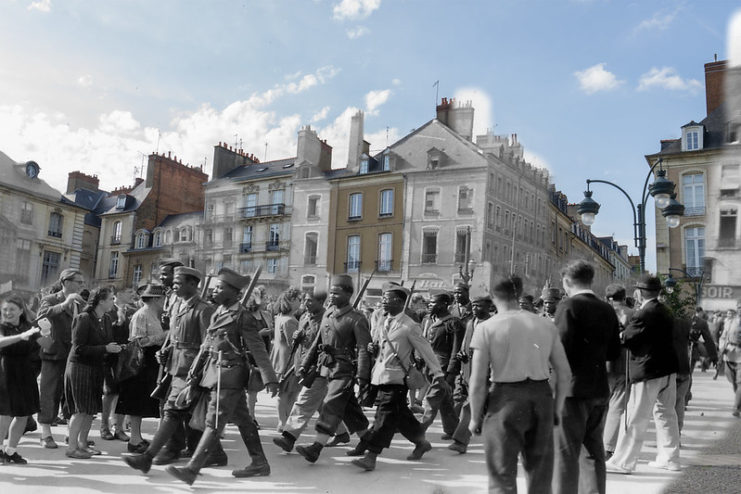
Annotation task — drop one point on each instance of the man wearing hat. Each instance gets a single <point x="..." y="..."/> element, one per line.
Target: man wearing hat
<point x="551" y="297"/>
<point x="652" y="368"/>
<point x="400" y="336"/>
<point x="188" y="327"/>
<point x="59" y="308"/>
<point x="443" y="333"/>
<point x="481" y="311"/>
<point x="343" y="334"/>
<point x="232" y="332"/>
<point x="167" y="275"/>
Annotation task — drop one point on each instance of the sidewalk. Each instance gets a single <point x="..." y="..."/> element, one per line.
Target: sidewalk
<point x="710" y="447"/>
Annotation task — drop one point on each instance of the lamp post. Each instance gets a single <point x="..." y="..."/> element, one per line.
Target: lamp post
<point x="662" y="190"/>
<point x="466" y="269"/>
<point x="670" y="283"/>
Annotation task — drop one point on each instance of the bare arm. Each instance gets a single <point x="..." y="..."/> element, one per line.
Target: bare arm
<point x="560" y="366"/>
<point x="477" y="388"/>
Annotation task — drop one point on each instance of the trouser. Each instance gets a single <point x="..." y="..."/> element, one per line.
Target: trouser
<point x="341" y="404"/>
<point x="392" y="414"/>
<point x="519" y="420"/>
<point x="440" y="398"/>
<point x="582" y="424"/>
<point x="309" y="401"/>
<point x="660" y="396"/>
<point x="287" y="395"/>
<point x="51" y="389"/>
<point x="183" y="436"/>
<point x="462" y="434"/>
<point x="684" y="382"/>
<point x="733" y="374"/>
<point x="460" y="395"/>
<point x="615" y="410"/>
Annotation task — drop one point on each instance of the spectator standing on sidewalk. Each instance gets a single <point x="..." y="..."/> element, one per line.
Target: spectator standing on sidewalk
<point x="730" y="347"/>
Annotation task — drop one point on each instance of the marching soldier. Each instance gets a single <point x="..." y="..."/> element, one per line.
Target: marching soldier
<point x="225" y="374"/>
<point x="167" y="276"/>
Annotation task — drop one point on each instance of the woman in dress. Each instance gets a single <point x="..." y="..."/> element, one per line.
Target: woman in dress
<point x="19" y="393"/>
<point x="285" y="325"/>
<point x="92" y="340"/>
<point x="134" y="398"/>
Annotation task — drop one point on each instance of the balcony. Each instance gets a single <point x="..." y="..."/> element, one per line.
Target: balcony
<point x="694" y="211"/>
<point x="253" y="247"/>
<point x="432" y="212"/>
<point x="272" y="246"/>
<point x="385" y="265"/>
<point x="694" y="271"/>
<point x="55" y="234"/>
<point x="262" y="211"/>
<point x="245" y="247"/>
<point x="460" y="257"/>
<point x="429" y="258"/>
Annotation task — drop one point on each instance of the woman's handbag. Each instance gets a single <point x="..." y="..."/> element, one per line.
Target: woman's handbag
<point x="130" y="361"/>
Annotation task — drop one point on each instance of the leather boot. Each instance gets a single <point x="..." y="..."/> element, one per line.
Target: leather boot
<point x="285" y="441"/>
<point x="310" y="452"/>
<point x="259" y="466"/>
<point x="420" y="449"/>
<point x="217" y="456"/>
<point x="359" y="449"/>
<point x="164" y="432"/>
<point x="141" y="462"/>
<point x="189" y="472"/>
<point x="367" y="463"/>
<point x="343" y="438"/>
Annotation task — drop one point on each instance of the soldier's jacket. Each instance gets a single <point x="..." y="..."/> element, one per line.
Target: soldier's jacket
<point x="188" y="323"/>
<point x="234" y="331"/>
<point x="465" y="347"/>
<point x="308" y="326"/>
<point x="444" y="336"/>
<point x="343" y="334"/>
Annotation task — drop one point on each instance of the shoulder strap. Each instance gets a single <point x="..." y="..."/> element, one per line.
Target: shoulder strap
<point x="395" y="349"/>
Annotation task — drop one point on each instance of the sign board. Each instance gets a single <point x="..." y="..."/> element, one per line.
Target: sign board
<point x="726" y="292"/>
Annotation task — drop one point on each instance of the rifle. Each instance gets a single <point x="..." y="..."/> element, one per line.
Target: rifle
<point x="251" y="286"/>
<point x="204" y="290"/>
<point x="409" y="298"/>
<point x="362" y="290"/>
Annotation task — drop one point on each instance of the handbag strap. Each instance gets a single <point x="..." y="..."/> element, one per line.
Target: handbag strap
<point x="406" y="370"/>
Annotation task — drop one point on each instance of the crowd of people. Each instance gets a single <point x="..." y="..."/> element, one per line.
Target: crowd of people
<point x="568" y="381"/>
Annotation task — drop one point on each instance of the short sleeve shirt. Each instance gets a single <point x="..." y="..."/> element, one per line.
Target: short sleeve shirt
<point x="518" y="346"/>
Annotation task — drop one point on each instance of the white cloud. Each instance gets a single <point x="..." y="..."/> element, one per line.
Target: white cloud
<point x="374" y="99"/>
<point x="667" y="78"/>
<point x="320" y="115"/>
<point x="357" y="32"/>
<point x="354" y="9"/>
<point x="537" y="160"/>
<point x="596" y="78"/>
<point x="337" y="134"/>
<point x="660" y="20"/>
<point x="482" y="116"/>
<point x="320" y="76"/>
<point x="41" y="6"/>
<point x="85" y="80"/>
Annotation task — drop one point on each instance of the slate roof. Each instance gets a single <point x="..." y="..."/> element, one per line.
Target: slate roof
<point x="13" y="175"/>
<point x="139" y="193"/>
<point x="714" y="138"/>
<point x="276" y="168"/>
<point x="173" y="219"/>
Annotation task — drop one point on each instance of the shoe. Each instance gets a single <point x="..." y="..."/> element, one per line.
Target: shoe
<point x="184" y="474"/>
<point x="358" y="450"/>
<point x="612" y="468"/>
<point x="15" y="458"/>
<point x="608" y="455"/>
<point x="446" y="437"/>
<point x="736" y="413"/>
<point x="139" y="462"/>
<point x="367" y="463"/>
<point x="48" y="442"/>
<point x="105" y="434"/>
<point x="285" y="442"/>
<point x="459" y="447"/>
<point x="90" y="442"/>
<point x="59" y="421"/>
<point x="165" y="457"/>
<point x="92" y="451"/>
<point x="120" y="435"/>
<point x="137" y="448"/>
<point x="78" y="454"/>
<point x="421" y="448"/>
<point x="3" y="457"/>
<point x="310" y="452"/>
<point x="31" y="425"/>
<point x="672" y="466"/>
<point x="253" y="470"/>
<point x="343" y="438"/>
<point x="216" y="460"/>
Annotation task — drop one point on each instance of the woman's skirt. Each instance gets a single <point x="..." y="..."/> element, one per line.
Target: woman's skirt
<point x="134" y="393"/>
<point x="83" y="388"/>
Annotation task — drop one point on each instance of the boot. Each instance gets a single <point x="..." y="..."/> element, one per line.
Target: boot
<point x="343" y="438"/>
<point x="458" y="446"/>
<point x="165" y="431"/>
<point x="285" y="441"/>
<point x="189" y="472"/>
<point x="183" y="474"/>
<point x="216" y="456"/>
<point x="420" y="449"/>
<point x="259" y="466"/>
<point x="367" y="463"/>
<point x="141" y="462"/>
<point x="359" y="449"/>
<point x="311" y="452"/>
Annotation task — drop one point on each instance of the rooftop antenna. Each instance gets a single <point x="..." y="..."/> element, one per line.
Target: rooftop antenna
<point x="236" y="140"/>
<point x="437" y="90"/>
<point x="266" y="151"/>
<point x="159" y="134"/>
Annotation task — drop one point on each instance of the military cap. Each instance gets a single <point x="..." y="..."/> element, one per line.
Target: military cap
<point x="68" y="274"/>
<point x="391" y="286"/>
<point x="481" y="297"/>
<point x="342" y="280"/>
<point x="153" y="291"/>
<point x="170" y="262"/>
<point x="460" y="286"/>
<point x="650" y="283"/>
<point x="186" y="271"/>
<point x="443" y="297"/>
<point x="232" y="278"/>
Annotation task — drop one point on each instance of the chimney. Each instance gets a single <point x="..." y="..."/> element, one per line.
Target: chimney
<point x="355" y="148"/>
<point x="460" y="119"/>
<point x="312" y="150"/>
<point x="442" y="110"/>
<point x="226" y="159"/>
<point x="714" y="77"/>
<point x="78" y="180"/>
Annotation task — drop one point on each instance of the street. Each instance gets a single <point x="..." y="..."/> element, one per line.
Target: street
<point x="709" y="451"/>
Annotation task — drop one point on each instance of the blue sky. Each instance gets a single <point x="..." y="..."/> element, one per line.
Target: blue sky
<point x="589" y="87"/>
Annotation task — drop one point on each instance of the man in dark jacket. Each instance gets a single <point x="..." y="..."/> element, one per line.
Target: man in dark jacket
<point x="653" y="371"/>
<point x="589" y="332"/>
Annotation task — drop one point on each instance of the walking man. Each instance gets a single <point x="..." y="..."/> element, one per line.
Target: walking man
<point x="730" y="347"/>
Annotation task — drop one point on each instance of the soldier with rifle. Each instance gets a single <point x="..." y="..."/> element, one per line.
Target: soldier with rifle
<point x="221" y="368"/>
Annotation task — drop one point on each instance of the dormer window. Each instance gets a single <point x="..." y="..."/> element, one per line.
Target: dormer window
<point x="692" y="137"/>
<point x="434" y="158"/>
<point x="121" y="202"/>
<point x="386" y="161"/>
<point x="363" y="165"/>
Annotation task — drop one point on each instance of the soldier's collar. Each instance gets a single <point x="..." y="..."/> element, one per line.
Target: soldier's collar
<point x="341" y="312"/>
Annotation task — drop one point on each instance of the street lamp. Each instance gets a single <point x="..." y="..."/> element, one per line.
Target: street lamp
<point x="670" y="283"/>
<point x="662" y="190"/>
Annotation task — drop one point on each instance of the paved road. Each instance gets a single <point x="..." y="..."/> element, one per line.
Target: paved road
<point x="710" y="447"/>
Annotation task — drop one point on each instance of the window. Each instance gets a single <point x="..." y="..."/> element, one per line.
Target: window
<point x="49" y="267"/>
<point x="116" y="237"/>
<point x="22" y="258"/>
<point x="356" y="206"/>
<point x="246" y="245"/>
<point x="727" y="236"/>
<point x="310" y="246"/>
<point x="692" y="138"/>
<point x="113" y="266"/>
<point x="386" y="162"/>
<point x="274" y="239"/>
<point x="272" y="265"/>
<point x="353" y="254"/>
<point x="307" y="282"/>
<point x="208" y="238"/>
<point x="26" y="213"/>
<point x="229" y="211"/>
<point x="210" y="212"/>
<point x="729" y="177"/>
<point x="465" y="199"/>
<point x="432" y="202"/>
<point x="157" y="239"/>
<point x="499" y="218"/>
<point x="460" y="245"/>
<point x="385" y="244"/>
<point x="312" y="210"/>
<point x="121" y="202"/>
<point x="137" y="275"/>
<point x="55" y="225"/>
<point x="228" y="236"/>
<point x="490" y="215"/>
<point x="250" y="205"/>
<point x="141" y="240"/>
<point x="185" y="234"/>
<point x="276" y="199"/>
<point x="693" y="194"/>
<point x="387" y="202"/>
<point x="694" y="241"/>
<point x="168" y="236"/>
<point x="363" y="165"/>
<point x="429" y="247"/>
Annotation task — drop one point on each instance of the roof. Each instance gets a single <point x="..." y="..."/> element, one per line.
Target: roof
<point x="176" y="219"/>
<point x="138" y="193"/>
<point x="254" y="171"/>
<point x="714" y="138"/>
<point x="13" y="175"/>
<point x="94" y="201"/>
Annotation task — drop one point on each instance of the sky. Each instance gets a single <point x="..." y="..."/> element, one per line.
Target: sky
<point x="589" y="86"/>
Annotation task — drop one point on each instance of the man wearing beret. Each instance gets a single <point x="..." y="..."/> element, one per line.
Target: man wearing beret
<point x="652" y="368"/>
<point x="343" y="335"/>
<point x="167" y="276"/>
<point x="60" y="309"/>
<point x="225" y="367"/>
<point x="443" y="333"/>
<point x="551" y="297"/>
<point x="188" y="329"/>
